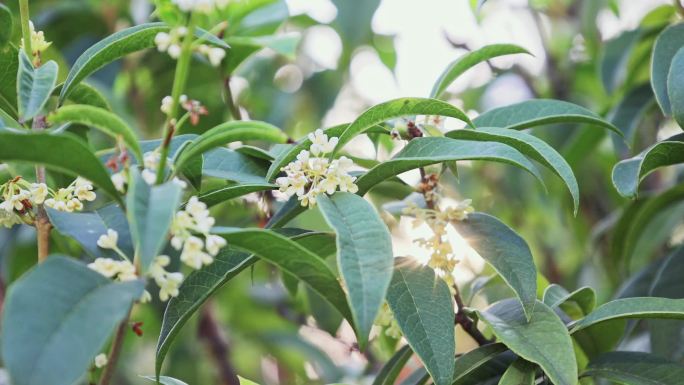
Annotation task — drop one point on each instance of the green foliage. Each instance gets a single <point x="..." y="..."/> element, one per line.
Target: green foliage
<point x="34" y="86"/>
<point x="664" y="51"/>
<point x="635" y="368"/>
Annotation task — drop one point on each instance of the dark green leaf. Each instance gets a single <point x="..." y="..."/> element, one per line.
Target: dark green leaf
<point x="58" y="317"/>
<point x="616" y="54"/>
<point x="630" y="172"/>
<point x="389" y="373"/>
<point x="636" y="307"/>
<point x="474" y="359"/>
<point x="116" y="46"/>
<point x="101" y="119"/>
<point x="422" y="152"/>
<point x="675" y="87"/>
<point x="664" y="50"/>
<point x="232" y="131"/>
<point x="364" y="255"/>
<point x="422" y="305"/>
<point x="556" y="295"/>
<point x="398" y="108"/>
<point x="635" y="368"/>
<point x="629" y="112"/>
<point x="34" y="86"/>
<point x="539" y="112"/>
<point x="530" y="146"/>
<point x="543" y="339"/>
<point x="84" y="93"/>
<point x="520" y="372"/>
<point x="506" y="252"/>
<point x="5" y="25"/>
<point x="9" y="65"/>
<point x="469" y="60"/>
<point x="223" y="194"/>
<point x="150" y="210"/>
<point x="231" y="165"/>
<point x="61" y="152"/>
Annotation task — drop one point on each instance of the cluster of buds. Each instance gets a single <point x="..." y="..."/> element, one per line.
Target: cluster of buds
<point x="194" y="108"/>
<point x="201" y="6"/>
<point x="195" y="219"/>
<point x="442" y="258"/>
<point x="170" y="42"/>
<point x="386" y="320"/>
<point x="313" y="173"/>
<point x="18" y="197"/>
<point x="38" y="43"/>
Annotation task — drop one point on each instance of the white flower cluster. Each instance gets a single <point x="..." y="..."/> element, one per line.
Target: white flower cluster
<point x="171" y="43"/>
<point x="201" y="6"/>
<point x="149" y="173"/>
<point x="18" y="198"/>
<point x="193" y="219"/>
<point x="38" y="42"/>
<point x="309" y="176"/>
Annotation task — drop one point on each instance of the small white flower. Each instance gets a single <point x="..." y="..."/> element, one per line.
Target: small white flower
<point x="39" y="192"/>
<point x="151" y="159"/>
<point x="162" y="41"/>
<point x="119" y="181"/>
<point x="174" y="51"/>
<point x="214" y="243"/>
<point x="74" y="204"/>
<point x="215" y="56"/>
<point x="126" y="271"/>
<point x="166" y="104"/>
<point x="196" y="208"/>
<point x="181" y="183"/>
<point x="101" y="361"/>
<point x="149" y="176"/>
<point x="169" y="288"/>
<point x="105" y="266"/>
<point x="84" y="190"/>
<point x="320" y="143"/>
<point x="109" y="240"/>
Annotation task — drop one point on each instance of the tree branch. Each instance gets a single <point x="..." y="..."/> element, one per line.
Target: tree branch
<point x="114" y="352"/>
<point x="466" y="323"/>
<point x="217" y="344"/>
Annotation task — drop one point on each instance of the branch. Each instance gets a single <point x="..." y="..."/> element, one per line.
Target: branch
<point x="466" y="323"/>
<point x="210" y="332"/>
<point x="114" y="352"/>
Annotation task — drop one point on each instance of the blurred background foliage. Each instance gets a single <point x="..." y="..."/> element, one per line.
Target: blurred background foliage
<point x="302" y="65"/>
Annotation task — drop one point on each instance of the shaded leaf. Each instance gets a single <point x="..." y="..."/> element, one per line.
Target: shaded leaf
<point x="635" y="368"/>
<point x="520" y="372"/>
<point x="364" y="255"/>
<point x="389" y="373"/>
<point x="615" y="56"/>
<point x="664" y="50"/>
<point x="5" y="25"/>
<point x="474" y="359"/>
<point x="44" y="340"/>
<point x="223" y="194"/>
<point x="636" y="307"/>
<point x="556" y="295"/>
<point x="675" y="87"/>
<point x="422" y="305"/>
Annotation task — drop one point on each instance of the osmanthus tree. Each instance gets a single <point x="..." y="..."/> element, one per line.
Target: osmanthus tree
<point x="140" y="213"/>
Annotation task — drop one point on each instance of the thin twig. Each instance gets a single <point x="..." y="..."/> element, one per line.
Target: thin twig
<point x="43" y="225"/>
<point x="217" y="344"/>
<point x="466" y="323"/>
<point x="114" y="352"/>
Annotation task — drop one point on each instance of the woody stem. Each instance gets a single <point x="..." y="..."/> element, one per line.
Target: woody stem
<point x="114" y="352"/>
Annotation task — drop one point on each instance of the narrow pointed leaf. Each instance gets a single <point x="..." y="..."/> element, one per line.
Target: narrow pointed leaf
<point x="165" y="380"/>
<point x="230" y="132"/>
<point x="34" y="86"/>
<point x="150" y="210"/>
<point x="630" y="172"/>
<point x="474" y="359"/>
<point x="84" y="93"/>
<point x="101" y="119"/>
<point x="675" y="87"/>
<point x="45" y="339"/>
<point x="422" y="305"/>
<point x="118" y="45"/>
<point x="223" y="194"/>
<point x="539" y="112"/>
<point x="543" y="339"/>
<point x="635" y="368"/>
<point x="636" y="307"/>
<point x="62" y="152"/>
<point x="530" y="146"/>
<point x="398" y="108"/>
<point x="506" y="252"/>
<point x="585" y="297"/>
<point x="293" y="259"/>
<point x="664" y="50"/>
<point x="9" y="66"/>
<point x="469" y="60"/>
<point x="364" y="255"/>
<point x="430" y="150"/>
<point x="520" y="372"/>
<point x="389" y="373"/>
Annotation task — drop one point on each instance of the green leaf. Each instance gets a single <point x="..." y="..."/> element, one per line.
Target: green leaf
<point x="398" y="108"/>
<point x="58" y="317"/>
<point x="664" y="50"/>
<point x="474" y="359"/>
<point x="539" y="112"/>
<point x="556" y="295"/>
<point x="630" y="172"/>
<point x="100" y="119"/>
<point x="636" y="307"/>
<point x="164" y="380"/>
<point x="150" y="210"/>
<point x="84" y="93"/>
<point x="9" y="65"/>
<point x="615" y="57"/>
<point x="675" y="87"/>
<point x="389" y="373"/>
<point x="244" y="381"/>
<point x="223" y="194"/>
<point x="364" y="255"/>
<point x="231" y="165"/>
<point x="530" y="146"/>
<point x="635" y="368"/>
<point x="627" y="115"/>
<point x="543" y="339"/>
<point x="422" y="305"/>
<point x="86" y="228"/>
<point x="291" y="258"/>
<point x="520" y="372"/>
<point x="34" y="86"/>
<point x="230" y="132"/>
<point x="422" y="152"/>
<point x="5" y="25"/>
<point x="63" y="152"/>
<point x="194" y="291"/>
<point x="469" y="60"/>
<point x="505" y="251"/>
<point x="118" y="45"/>
<point x="284" y="44"/>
